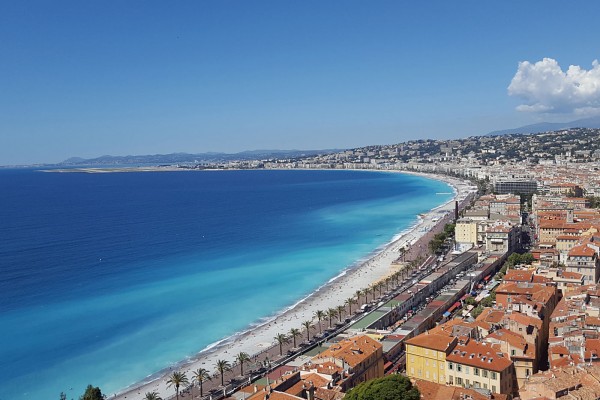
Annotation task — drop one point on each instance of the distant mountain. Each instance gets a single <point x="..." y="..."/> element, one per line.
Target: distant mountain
<point x="182" y="158"/>
<point x="593" y="122"/>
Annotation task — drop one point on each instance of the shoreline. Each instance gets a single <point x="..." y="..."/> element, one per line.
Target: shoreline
<point x="258" y="336"/>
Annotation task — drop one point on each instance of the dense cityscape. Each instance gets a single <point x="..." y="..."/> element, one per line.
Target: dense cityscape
<point x="504" y="303"/>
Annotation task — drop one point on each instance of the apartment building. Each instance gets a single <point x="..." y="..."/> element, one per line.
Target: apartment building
<point x="478" y="365"/>
<point x="360" y="357"/>
<point x="426" y="356"/>
<point x="583" y="259"/>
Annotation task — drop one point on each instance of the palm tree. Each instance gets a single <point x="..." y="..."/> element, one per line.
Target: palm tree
<point x="307" y="325"/>
<point x="242" y="358"/>
<point x="340" y="311"/>
<point x="397" y="277"/>
<point x="331" y="313"/>
<point x="177" y="379"/>
<point x="387" y="283"/>
<point x="281" y="339"/>
<point x="222" y="366"/>
<point x="367" y="291"/>
<point x="350" y="301"/>
<point x="152" y="396"/>
<point x="358" y="293"/>
<point x="320" y="314"/>
<point x="201" y="375"/>
<point x="294" y="333"/>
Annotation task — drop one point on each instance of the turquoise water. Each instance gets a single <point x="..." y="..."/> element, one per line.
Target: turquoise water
<point x="109" y="278"/>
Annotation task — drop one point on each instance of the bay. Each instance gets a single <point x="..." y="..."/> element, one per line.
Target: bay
<point x="108" y="278"/>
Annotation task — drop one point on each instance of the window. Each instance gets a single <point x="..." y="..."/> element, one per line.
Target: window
<point x="476" y="371"/>
<point x="412" y="371"/>
<point x="427" y="374"/>
<point x="467" y="370"/>
<point x="459" y="367"/>
<point x="419" y="372"/>
<point x="467" y="383"/>
<point x="485" y="385"/>
<point x="484" y="373"/>
<point x="493" y="376"/>
<point x="527" y="372"/>
<point x="477" y="384"/>
<point x="427" y="362"/>
<point x="458" y="380"/>
<point x="512" y="352"/>
<point x="494" y="389"/>
<point x="450" y="366"/>
<point x="451" y="380"/>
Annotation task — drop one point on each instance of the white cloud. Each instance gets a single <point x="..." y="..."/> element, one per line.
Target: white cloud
<point x="546" y="88"/>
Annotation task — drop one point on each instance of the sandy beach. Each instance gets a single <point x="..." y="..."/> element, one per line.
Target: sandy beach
<point x="330" y="295"/>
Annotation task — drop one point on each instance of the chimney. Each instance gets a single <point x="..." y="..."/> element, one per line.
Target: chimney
<point x="455" y="211"/>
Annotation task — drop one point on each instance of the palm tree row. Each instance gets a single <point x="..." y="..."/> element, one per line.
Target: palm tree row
<point x="201" y="375"/>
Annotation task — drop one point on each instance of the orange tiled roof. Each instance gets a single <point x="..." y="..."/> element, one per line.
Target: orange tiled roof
<point x="353" y="350"/>
<point x="434" y="391"/>
<point x="438" y="342"/>
<point x="479" y="355"/>
<point x="581" y="251"/>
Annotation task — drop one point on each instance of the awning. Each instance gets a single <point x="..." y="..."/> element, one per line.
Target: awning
<point x="487" y="278"/>
<point x="446" y="314"/>
<point x="387" y="365"/>
<point x="454" y="306"/>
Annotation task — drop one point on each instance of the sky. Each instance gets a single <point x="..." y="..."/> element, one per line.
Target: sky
<point x="88" y="78"/>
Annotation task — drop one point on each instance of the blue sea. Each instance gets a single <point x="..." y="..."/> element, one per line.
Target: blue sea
<point x="108" y="278"/>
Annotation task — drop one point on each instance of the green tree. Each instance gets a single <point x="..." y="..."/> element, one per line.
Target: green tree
<point x="449" y="230"/>
<point x="476" y="311"/>
<point x="307" y="325"/>
<point x="331" y="314"/>
<point x="527" y="258"/>
<point x="470" y="301"/>
<point x="320" y="314"/>
<point x="177" y="379"/>
<point x="367" y="292"/>
<point x="341" y="309"/>
<point x="294" y="333"/>
<point x="349" y="302"/>
<point x="201" y="375"/>
<point x="92" y="393"/>
<point x="241" y="358"/>
<point x="359" y="293"/>
<point x="152" y="396"/>
<point x="222" y="366"/>
<point x="391" y="387"/>
<point x="281" y="340"/>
